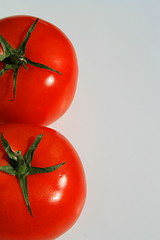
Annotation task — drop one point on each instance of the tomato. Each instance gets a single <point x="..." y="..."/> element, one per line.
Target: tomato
<point x="42" y="95"/>
<point x="56" y="198"/>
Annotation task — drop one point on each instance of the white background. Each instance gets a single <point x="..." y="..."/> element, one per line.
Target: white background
<point x="114" y="120"/>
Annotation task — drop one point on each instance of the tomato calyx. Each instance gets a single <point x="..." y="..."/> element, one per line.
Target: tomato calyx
<point x="14" y="58"/>
<point x="20" y="166"/>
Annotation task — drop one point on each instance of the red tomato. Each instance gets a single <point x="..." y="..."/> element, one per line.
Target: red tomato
<point x="42" y="96"/>
<point x="56" y="198"/>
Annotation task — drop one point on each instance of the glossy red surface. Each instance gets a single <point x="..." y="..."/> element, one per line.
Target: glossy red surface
<point x="56" y="198"/>
<point x="42" y="96"/>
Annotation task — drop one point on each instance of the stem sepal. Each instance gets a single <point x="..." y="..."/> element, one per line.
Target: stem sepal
<point x="20" y="166"/>
<point x="15" y="58"/>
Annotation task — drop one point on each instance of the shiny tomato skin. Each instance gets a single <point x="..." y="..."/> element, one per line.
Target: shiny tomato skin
<point x="42" y="96"/>
<point x="56" y="198"/>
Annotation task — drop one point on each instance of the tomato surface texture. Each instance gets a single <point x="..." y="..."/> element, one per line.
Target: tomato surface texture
<point x="56" y="198"/>
<point x="42" y="96"/>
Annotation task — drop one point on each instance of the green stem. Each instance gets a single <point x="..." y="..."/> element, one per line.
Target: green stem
<point x="20" y="166"/>
<point x="15" y="58"/>
<point x="23" y="183"/>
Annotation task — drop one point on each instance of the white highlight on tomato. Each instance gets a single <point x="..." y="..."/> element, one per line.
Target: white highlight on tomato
<point x="62" y="181"/>
<point x="50" y="81"/>
<point x="56" y="196"/>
